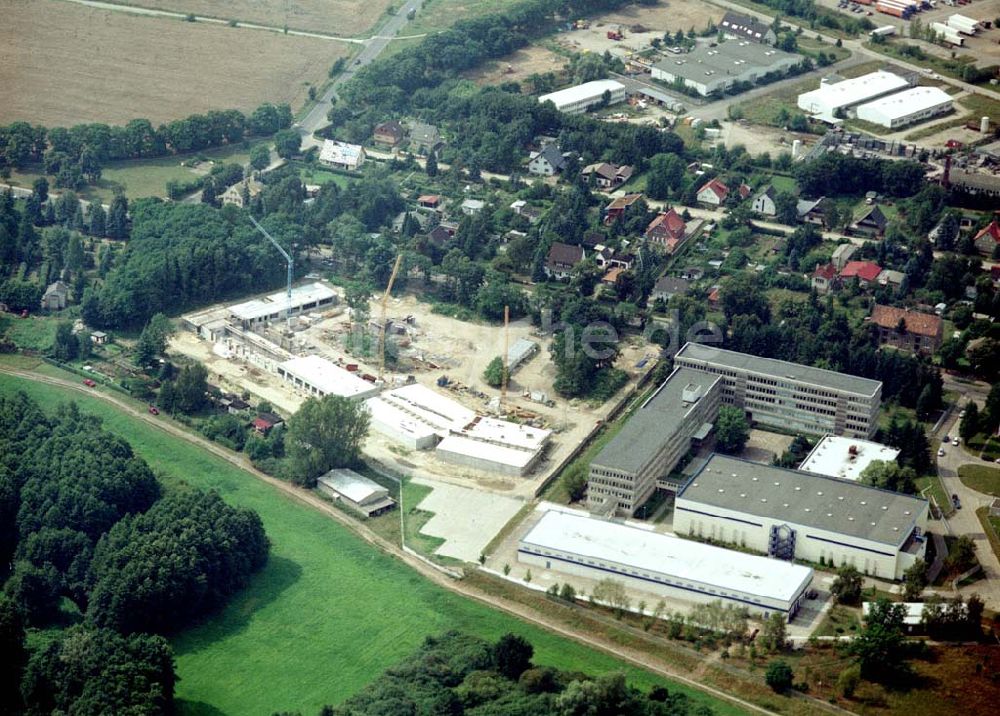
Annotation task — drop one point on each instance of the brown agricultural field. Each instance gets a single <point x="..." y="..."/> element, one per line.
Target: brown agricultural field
<point x="518" y="66"/>
<point x="347" y="18"/>
<point x="63" y="63"/>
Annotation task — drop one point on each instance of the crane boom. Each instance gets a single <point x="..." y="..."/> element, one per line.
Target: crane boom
<point x="385" y="305"/>
<point x="288" y="259"/>
<point x="506" y="358"/>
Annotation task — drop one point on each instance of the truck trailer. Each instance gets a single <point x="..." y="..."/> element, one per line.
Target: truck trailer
<point x="948" y="34"/>
<point x="965" y="25"/>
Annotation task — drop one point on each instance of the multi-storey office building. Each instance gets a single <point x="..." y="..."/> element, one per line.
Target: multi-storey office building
<point x="788" y="395"/>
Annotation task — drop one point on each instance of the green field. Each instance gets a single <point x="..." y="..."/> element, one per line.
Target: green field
<point x="981" y="479"/>
<point x="327" y="614"/>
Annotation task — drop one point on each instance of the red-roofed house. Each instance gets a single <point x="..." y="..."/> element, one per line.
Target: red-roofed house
<point x="619" y="206"/>
<point x="906" y="329"/>
<point x="265" y="422"/>
<point x="988" y="239"/>
<point x="667" y="230"/>
<point x="389" y="133"/>
<point x="824" y="278"/>
<point x="713" y="297"/>
<point x="429" y="201"/>
<point x="745" y="191"/>
<point x="713" y="193"/>
<point x="865" y="272"/>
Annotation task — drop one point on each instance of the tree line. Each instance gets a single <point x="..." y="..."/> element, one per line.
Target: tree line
<point x="89" y="538"/>
<point x="76" y="154"/>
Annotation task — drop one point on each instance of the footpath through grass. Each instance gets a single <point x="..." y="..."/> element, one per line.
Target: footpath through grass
<point x="327" y="614"/>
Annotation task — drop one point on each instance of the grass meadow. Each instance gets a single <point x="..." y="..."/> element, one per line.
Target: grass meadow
<point x="327" y="614"/>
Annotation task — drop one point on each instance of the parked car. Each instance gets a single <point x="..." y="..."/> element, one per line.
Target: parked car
<point x="957" y="441"/>
<point x="955" y="501"/>
<point x="89" y="383"/>
<point x="153" y="410"/>
<point x="946" y="439"/>
<point x="940" y="452"/>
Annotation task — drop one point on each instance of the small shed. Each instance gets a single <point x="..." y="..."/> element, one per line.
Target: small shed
<point x="99" y="338"/>
<point x="56" y="296"/>
<point x="356" y="491"/>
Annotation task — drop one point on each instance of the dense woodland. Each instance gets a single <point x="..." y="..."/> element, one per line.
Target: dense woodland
<point x="460" y="674"/>
<point x="87" y="538"/>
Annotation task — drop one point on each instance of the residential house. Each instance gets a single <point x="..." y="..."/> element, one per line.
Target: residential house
<point x="56" y="296"/>
<point x="842" y="254"/>
<point x="265" y="422"/>
<point x="666" y="230"/>
<point x="424" y="138"/>
<point x="618" y="206"/>
<point x="988" y="239"/>
<point x="865" y="272"/>
<point x="522" y="208"/>
<point x="824" y="278"/>
<point x="239" y="193"/>
<point x="341" y="155"/>
<point x="561" y="260"/>
<point x="745" y="27"/>
<point x="713" y="193"/>
<point x="890" y="278"/>
<point x="471" y="207"/>
<point x="692" y="273"/>
<point x="812" y="211"/>
<point x="763" y="203"/>
<point x="603" y="255"/>
<point x="942" y="234"/>
<point x="547" y="162"/>
<point x="430" y="201"/>
<point x="388" y="134"/>
<point x="667" y="287"/>
<point x="744" y="190"/>
<point x="713" y="297"/>
<point x="237" y="405"/>
<point x="607" y="176"/>
<point x="907" y="330"/>
<point x="592" y="239"/>
<point x="440" y="235"/>
<point x="871" y="223"/>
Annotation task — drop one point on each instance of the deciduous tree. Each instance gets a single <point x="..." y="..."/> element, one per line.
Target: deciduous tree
<point x="325" y="433"/>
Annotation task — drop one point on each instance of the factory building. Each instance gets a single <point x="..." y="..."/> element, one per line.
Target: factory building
<point x="355" y="491"/>
<point x="709" y="70"/>
<point x="833" y="98"/>
<point x="663" y="564"/>
<point x="845" y="458"/>
<point x="788" y="395"/>
<point x="794" y="514"/>
<point x="319" y="377"/>
<point x="907" y="107"/>
<point x="579" y="98"/>
<point x="420" y="418"/>
<point x="309" y="297"/>
<point x="624" y="474"/>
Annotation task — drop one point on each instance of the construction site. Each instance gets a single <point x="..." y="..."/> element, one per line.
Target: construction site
<point x="420" y="374"/>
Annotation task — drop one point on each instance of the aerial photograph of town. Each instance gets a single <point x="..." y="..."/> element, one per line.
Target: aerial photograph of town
<point x="499" y="357"/>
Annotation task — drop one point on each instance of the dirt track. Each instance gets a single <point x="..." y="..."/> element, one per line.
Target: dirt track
<point x="520" y="611"/>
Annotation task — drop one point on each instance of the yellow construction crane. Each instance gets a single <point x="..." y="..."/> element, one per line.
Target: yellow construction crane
<point x="506" y="358"/>
<point x="383" y="326"/>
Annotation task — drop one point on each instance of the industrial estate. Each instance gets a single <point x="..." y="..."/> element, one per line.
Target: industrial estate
<point x="657" y="339"/>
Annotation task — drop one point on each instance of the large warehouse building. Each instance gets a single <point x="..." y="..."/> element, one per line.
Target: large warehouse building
<point x="793" y="514"/>
<point x="907" y="107"/>
<point x="834" y="97"/>
<point x="715" y="69"/>
<point x="663" y="564"/>
<point x="788" y="395"/>
<point x="624" y="474"/>
<point x="420" y="418"/>
<point x="273" y="307"/>
<point x="319" y="377"/>
<point x="580" y="98"/>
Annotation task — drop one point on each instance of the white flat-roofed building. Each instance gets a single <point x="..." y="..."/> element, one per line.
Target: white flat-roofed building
<point x="715" y="69"/>
<point x="845" y="458"/>
<point x="663" y="564"/>
<point x="793" y="514"/>
<point x="356" y="491"/>
<point x="789" y="395"/>
<point x="274" y="306"/>
<point x="580" y="98"/>
<point x="907" y="107"/>
<point x="342" y="155"/>
<point x="421" y="418"/>
<point x="319" y="377"/>
<point x="830" y="98"/>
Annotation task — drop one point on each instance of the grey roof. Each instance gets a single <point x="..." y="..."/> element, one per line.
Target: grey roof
<point x="804" y="498"/>
<point x="782" y="369"/>
<point x="874" y="217"/>
<point x="724" y="58"/>
<point x="671" y="285"/>
<point x="745" y="25"/>
<point x="551" y="154"/>
<point x="643" y="434"/>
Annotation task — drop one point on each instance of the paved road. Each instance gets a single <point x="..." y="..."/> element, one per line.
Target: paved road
<point x="310" y="499"/>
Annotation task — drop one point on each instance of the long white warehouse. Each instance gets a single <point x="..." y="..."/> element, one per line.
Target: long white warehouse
<point x="832" y="97"/>
<point x="580" y="98"/>
<point x="307" y="297"/>
<point x="907" y="107"/>
<point x="663" y="564"/>
<point x="319" y="377"/>
<point x="792" y="514"/>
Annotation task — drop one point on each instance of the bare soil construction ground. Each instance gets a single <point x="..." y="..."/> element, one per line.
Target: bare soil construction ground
<point x="435" y="346"/>
<point x="335" y="17"/>
<point x="62" y="64"/>
<point x="517" y="66"/>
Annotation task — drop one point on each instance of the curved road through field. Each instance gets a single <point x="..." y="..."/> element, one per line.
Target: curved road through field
<point x="525" y="613"/>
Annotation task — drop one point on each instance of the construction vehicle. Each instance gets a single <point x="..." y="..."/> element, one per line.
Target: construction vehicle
<point x="616" y="34"/>
<point x="384" y="321"/>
